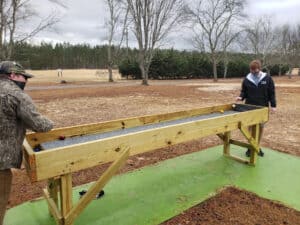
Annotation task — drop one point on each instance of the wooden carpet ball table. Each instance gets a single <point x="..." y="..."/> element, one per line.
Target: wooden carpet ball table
<point x="55" y="155"/>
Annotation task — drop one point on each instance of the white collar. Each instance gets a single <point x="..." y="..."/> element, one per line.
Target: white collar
<point x="261" y="76"/>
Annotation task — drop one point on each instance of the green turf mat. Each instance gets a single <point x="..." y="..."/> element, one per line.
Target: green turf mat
<point x="155" y="193"/>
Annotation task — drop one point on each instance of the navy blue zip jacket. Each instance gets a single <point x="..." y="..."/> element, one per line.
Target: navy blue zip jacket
<point x="262" y="94"/>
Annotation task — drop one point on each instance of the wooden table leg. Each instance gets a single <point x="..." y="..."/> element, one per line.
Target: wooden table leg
<point x="53" y="185"/>
<point x="66" y="194"/>
<point x="226" y="139"/>
<point x="255" y="135"/>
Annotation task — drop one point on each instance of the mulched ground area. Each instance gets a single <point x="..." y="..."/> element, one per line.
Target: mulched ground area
<point x="237" y="207"/>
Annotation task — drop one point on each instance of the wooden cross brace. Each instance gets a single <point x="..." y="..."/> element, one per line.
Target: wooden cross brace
<point x="67" y="213"/>
<point x="253" y="144"/>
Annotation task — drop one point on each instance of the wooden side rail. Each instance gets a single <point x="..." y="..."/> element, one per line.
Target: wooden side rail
<point x="84" y="155"/>
<point x="38" y="138"/>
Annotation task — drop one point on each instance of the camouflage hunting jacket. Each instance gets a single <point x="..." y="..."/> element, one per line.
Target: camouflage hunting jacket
<point x="17" y="113"/>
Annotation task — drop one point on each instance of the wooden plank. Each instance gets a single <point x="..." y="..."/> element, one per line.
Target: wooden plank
<point x="239" y="143"/>
<point x="221" y="136"/>
<point x="226" y="147"/>
<point x="249" y="137"/>
<point x="28" y="148"/>
<point x="255" y="135"/>
<point x="53" y="185"/>
<point x="52" y="207"/>
<point x="238" y="159"/>
<point x="29" y="160"/>
<point x="37" y="138"/>
<point x="96" y="187"/>
<point x="81" y="156"/>
<point x="66" y="194"/>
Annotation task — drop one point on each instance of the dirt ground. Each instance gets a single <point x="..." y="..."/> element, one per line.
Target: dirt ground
<point x="235" y="202"/>
<point x="83" y="102"/>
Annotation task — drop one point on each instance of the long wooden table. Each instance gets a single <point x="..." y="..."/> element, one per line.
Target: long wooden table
<point x="54" y="155"/>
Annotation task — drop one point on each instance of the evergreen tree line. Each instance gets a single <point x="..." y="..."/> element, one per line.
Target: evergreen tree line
<point x="173" y="64"/>
<point x="62" y="55"/>
<point x="166" y="63"/>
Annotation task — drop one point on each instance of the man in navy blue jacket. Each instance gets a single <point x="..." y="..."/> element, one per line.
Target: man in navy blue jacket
<point x="258" y="89"/>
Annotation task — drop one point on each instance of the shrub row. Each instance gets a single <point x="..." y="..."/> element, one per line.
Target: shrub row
<point x="172" y="64"/>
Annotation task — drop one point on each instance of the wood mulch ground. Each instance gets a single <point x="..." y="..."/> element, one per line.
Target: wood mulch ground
<point x="236" y="207"/>
<point x="90" y="104"/>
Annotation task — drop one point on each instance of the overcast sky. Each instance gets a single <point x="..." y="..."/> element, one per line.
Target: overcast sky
<point x="84" y="21"/>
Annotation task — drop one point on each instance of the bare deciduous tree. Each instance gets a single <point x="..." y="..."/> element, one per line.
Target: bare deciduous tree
<point x="282" y="46"/>
<point x="14" y="14"/>
<point x="260" y="38"/>
<point x="294" y="47"/>
<point x="2" y="26"/>
<point x="210" y="20"/>
<point x="117" y="19"/>
<point x="227" y="40"/>
<point x="152" y="21"/>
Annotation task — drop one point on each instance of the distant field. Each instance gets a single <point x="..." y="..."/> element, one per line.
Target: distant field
<point x="76" y="75"/>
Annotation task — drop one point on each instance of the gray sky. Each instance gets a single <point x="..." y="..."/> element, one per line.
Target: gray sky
<point x="84" y="21"/>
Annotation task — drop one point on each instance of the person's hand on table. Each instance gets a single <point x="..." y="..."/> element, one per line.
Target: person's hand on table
<point x="273" y="109"/>
<point x="238" y="99"/>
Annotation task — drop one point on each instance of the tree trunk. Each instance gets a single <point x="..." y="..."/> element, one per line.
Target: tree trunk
<point x="225" y="61"/>
<point x="214" y="61"/>
<point x="144" y="76"/>
<point x="225" y="68"/>
<point x="143" y="67"/>
<point x="10" y="50"/>
<point x="109" y="59"/>
<point x="110" y="73"/>
<point x="12" y="29"/>
<point x="280" y="68"/>
<point x="1" y="29"/>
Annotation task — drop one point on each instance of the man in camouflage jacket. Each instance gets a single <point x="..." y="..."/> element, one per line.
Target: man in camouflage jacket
<point x="17" y="113"/>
